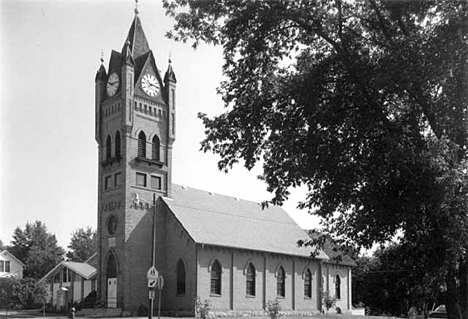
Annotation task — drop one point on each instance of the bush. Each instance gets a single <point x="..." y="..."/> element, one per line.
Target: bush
<point x="202" y="308"/>
<point x="273" y="309"/>
<point x="142" y="311"/>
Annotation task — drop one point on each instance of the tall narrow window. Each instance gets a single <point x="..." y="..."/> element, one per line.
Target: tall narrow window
<point x="338" y="287"/>
<point x="7" y="266"/>
<point x="250" y="280"/>
<point x="308" y="284"/>
<point x="108" y="147"/>
<point x="216" y="278"/>
<point x="280" y="282"/>
<point x="180" y="277"/>
<point x="155" y="148"/>
<point x="2" y="266"/>
<point x="141" y="144"/>
<point x="117" y="144"/>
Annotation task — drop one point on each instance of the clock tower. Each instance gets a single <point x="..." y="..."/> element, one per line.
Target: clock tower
<point x="135" y="130"/>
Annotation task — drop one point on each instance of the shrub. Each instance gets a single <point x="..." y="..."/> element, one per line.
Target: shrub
<point x="273" y="308"/>
<point x="202" y="308"/>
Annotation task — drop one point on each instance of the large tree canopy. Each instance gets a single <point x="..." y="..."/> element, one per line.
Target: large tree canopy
<point x="363" y="102"/>
<point x="36" y="248"/>
<point x="83" y="244"/>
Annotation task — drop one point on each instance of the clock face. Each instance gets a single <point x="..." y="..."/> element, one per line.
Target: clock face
<point x="112" y="84"/>
<point x="150" y="85"/>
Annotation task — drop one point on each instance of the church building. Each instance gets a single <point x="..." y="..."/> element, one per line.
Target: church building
<point x="206" y="245"/>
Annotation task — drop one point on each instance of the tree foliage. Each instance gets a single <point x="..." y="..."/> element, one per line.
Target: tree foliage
<point x="36" y="248"/>
<point x="83" y="244"/>
<point x="393" y="280"/>
<point x="363" y="102"/>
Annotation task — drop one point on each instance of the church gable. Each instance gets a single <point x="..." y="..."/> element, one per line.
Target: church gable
<point x="147" y="78"/>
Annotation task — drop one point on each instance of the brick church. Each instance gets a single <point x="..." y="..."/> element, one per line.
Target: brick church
<point x="204" y="244"/>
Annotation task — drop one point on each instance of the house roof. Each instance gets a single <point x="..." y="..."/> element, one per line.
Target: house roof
<point x="220" y="220"/>
<point x="85" y="270"/>
<point x="11" y="256"/>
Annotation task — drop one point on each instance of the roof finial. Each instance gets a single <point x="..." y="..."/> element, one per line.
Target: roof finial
<point x="102" y="56"/>
<point x="170" y="57"/>
<point x="136" y="7"/>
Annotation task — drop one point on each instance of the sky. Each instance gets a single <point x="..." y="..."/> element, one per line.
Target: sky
<point x="50" y="52"/>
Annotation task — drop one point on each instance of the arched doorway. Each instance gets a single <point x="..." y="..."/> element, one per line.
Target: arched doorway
<point x="111" y="271"/>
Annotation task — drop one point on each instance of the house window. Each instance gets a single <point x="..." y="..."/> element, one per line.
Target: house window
<point x="141" y="179"/>
<point x="308" y="284"/>
<point x="280" y="282"/>
<point x="107" y="182"/>
<point x="155" y="148"/>
<point x="108" y="147"/>
<point x="4" y="266"/>
<point x="216" y="278"/>
<point x="155" y="182"/>
<point x="117" y="179"/>
<point x="250" y="284"/>
<point x="117" y="144"/>
<point x="57" y="278"/>
<point x="67" y="275"/>
<point x="141" y="144"/>
<point x="180" y="277"/>
<point x="338" y="287"/>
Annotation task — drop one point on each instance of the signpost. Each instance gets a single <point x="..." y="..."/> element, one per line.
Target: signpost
<point x="152" y="275"/>
<point x="160" y="287"/>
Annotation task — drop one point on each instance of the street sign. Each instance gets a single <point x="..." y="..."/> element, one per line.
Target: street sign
<point x="160" y="282"/>
<point x="152" y="273"/>
<point x="152" y="283"/>
<point x="151" y="294"/>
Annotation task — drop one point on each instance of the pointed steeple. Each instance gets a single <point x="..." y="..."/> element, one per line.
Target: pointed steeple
<point x="170" y="75"/>
<point x="101" y="72"/>
<point x="136" y="37"/>
<point x="127" y="54"/>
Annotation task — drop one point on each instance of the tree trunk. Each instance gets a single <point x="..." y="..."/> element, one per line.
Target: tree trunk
<point x="463" y="276"/>
<point x="451" y="297"/>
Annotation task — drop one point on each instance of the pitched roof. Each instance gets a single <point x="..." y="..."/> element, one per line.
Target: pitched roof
<point x="85" y="270"/>
<point x="221" y="220"/>
<point x="6" y="252"/>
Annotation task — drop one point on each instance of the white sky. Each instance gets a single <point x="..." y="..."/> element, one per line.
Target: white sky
<point x="50" y="53"/>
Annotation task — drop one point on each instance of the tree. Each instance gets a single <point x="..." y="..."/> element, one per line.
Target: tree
<point x="36" y="248"/>
<point x="83" y="244"/>
<point x="363" y="102"/>
<point x="392" y="281"/>
<point x="2" y="246"/>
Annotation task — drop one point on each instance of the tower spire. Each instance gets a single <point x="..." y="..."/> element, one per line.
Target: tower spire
<point x="136" y="7"/>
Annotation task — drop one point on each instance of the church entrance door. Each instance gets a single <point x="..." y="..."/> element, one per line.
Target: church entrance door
<point x="112" y="292"/>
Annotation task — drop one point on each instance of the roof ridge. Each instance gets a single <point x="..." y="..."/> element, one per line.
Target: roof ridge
<point x="184" y="188"/>
<point x="174" y="203"/>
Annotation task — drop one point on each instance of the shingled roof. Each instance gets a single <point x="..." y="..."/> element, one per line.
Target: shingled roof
<point x="220" y="220"/>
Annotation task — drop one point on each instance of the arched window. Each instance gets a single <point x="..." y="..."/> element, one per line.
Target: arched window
<point x="338" y="287"/>
<point x="155" y="148"/>
<point x="180" y="277"/>
<point x="216" y="278"/>
<point x="250" y="280"/>
<point x="280" y="282"/>
<point x="141" y="144"/>
<point x="111" y="268"/>
<point x="117" y="144"/>
<point x="307" y="284"/>
<point x="108" y="147"/>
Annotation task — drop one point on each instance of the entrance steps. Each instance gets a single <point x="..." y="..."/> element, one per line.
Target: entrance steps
<point x="100" y="313"/>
